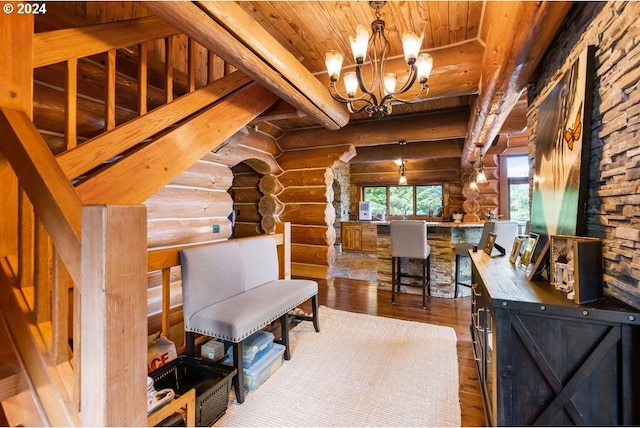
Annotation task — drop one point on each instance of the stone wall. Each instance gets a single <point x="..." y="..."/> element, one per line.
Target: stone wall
<point x="613" y="203"/>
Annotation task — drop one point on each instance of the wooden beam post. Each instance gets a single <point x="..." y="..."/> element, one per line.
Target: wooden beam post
<point x="16" y="91"/>
<point x="114" y="316"/>
<point x="284" y="250"/>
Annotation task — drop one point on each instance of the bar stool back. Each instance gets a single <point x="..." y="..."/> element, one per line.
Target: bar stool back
<point x="409" y="240"/>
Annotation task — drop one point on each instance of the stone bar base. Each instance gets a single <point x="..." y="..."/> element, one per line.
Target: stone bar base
<point x="443" y="237"/>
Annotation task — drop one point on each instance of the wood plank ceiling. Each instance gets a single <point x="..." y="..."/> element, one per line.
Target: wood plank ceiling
<point x="473" y="43"/>
<point x="484" y="54"/>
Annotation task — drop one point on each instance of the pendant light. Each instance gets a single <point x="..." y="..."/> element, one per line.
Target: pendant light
<point x="403" y="169"/>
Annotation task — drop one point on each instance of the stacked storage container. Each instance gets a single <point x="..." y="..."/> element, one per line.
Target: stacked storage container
<point x="261" y="357"/>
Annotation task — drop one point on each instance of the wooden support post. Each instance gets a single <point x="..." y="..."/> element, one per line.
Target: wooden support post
<point x="16" y="91"/>
<point x="284" y="250"/>
<point x="114" y="316"/>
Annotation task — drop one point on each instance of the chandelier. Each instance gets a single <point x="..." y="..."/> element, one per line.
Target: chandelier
<point x="377" y="95"/>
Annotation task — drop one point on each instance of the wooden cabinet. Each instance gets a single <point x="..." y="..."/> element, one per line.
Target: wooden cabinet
<point x="359" y="236"/>
<point x="545" y="360"/>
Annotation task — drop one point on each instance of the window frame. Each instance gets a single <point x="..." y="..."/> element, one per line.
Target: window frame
<point x="413" y="214"/>
<point x="505" y="181"/>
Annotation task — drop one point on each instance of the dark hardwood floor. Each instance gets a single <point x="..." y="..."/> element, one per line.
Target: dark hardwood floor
<point x="363" y="297"/>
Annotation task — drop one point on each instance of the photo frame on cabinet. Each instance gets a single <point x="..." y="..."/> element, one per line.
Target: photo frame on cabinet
<point x="576" y="266"/>
<point x="491" y="240"/>
<point x="515" y="249"/>
<point x="529" y="245"/>
<point x="562" y="145"/>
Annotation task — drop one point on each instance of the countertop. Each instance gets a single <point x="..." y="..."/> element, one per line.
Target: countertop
<point x="429" y="223"/>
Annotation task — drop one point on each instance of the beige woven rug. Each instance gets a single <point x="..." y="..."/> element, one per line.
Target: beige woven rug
<point x="360" y="370"/>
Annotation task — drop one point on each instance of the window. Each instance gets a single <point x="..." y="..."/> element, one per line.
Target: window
<point x="518" y="182"/>
<point x="378" y="198"/>
<point x="421" y="200"/>
<point x="401" y="200"/>
<point x="429" y="200"/>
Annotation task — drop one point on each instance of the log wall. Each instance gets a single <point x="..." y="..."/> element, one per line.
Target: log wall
<point x="194" y="208"/>
<point x="614" y="162"/>
<point x="307" y="198"/>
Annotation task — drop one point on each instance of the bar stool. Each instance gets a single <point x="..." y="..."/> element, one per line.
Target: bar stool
<point x="409" y="240"/>
<point x="505" y="230"/>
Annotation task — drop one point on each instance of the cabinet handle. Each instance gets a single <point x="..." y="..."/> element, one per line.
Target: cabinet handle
<point x="474" y="289"/>
<point x="475" y="354"/>
<point x="474" y="319"/>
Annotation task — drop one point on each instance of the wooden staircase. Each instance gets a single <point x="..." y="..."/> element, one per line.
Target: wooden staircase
<point x="82" y="228"/>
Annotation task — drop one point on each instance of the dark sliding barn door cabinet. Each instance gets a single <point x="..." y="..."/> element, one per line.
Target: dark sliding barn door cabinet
<point x="544" y="360"/>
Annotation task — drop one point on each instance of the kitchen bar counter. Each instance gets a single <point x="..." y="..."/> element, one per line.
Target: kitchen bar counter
<point x="443" y="237"/>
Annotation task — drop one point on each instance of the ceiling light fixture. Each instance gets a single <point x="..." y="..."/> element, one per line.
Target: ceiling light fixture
<point x="473" y="185"/>
<point x="481" y="178"/>
<point x="403" y="169"/>
<point x="377" y="97"/>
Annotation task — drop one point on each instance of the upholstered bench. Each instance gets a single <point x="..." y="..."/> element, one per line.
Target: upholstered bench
<point x="231" y="289"/>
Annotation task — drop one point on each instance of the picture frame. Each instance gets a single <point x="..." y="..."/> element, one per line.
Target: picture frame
<point x="515" y="249"/>
<point x="562" y="145"/>
<point x="562" y="260"/>
<point x="576" y="266"/>
<point x="491" y="240"/>
<point x="529" y="246"/>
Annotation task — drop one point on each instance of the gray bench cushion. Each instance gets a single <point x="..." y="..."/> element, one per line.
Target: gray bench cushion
<point x="239" y="316"/>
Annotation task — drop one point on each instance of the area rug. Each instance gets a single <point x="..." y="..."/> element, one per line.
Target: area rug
<point x="360" y="370"/>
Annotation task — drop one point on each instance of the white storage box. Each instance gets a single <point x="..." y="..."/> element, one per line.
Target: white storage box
<point x="212" y="350"/>
<point x="254" y="347"/>
<point x="257" y="374"/>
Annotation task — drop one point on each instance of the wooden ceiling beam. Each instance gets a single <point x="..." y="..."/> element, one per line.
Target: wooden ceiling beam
<point x="415" y="165"/>
<point x="413" y="177"/>
<point x="426" y="127"/>
<point x="226" y="29"/>
<point x="278" y="111"/>
<point x="518" y="34"/>
<point x="412" y="151"/>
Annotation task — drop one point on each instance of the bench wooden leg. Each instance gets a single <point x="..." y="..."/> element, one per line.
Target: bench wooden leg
<point x="238" y="379"/>
<point x="284" y="323"/>
<point x="314" y="306"/>
<point x="190" y="339"/>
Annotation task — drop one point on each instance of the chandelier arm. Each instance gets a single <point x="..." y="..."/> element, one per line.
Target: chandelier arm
<point x="336" y="95"/>
<point x="363" y="87"/>
<point x="416" y="99"/>
<point x="367" y="106"/>
<point x="413" y="74"/>
<point x="407" y="85"/>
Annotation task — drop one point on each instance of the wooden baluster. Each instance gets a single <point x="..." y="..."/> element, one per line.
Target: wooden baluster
<point x="71" y="104"/>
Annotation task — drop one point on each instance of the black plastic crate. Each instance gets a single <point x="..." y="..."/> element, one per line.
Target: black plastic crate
<point x="212" y="382"/>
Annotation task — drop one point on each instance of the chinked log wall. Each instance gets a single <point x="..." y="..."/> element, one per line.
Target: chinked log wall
<point x="614" y="165"/>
